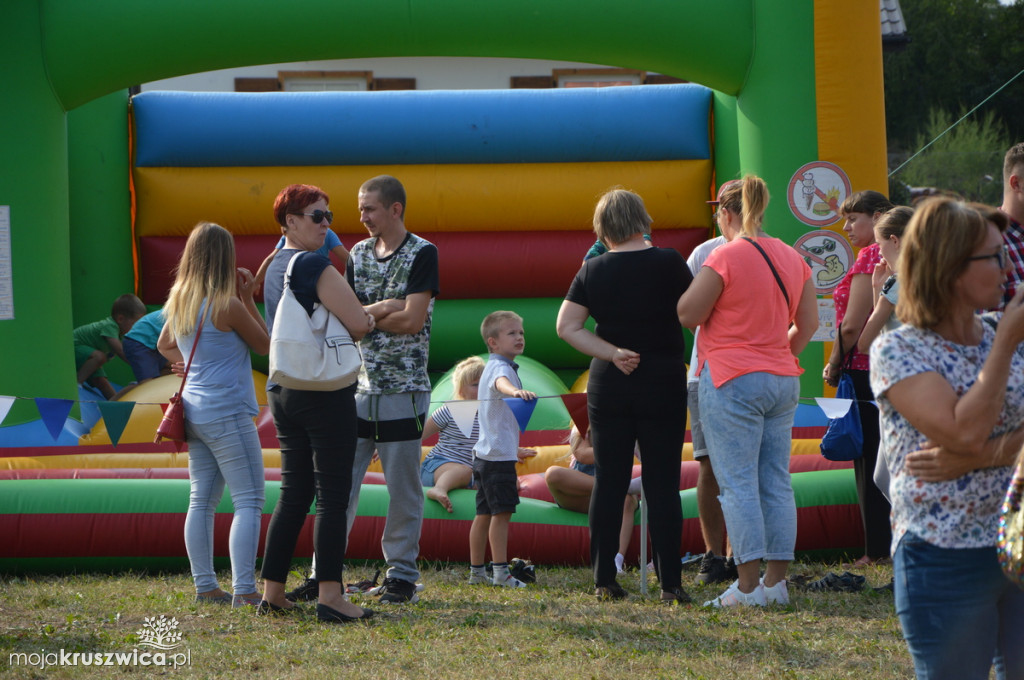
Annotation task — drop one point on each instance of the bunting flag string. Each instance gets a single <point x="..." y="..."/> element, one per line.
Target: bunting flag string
<point x="116" y="414"/>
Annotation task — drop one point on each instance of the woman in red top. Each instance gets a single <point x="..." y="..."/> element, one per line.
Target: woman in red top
<point x="854" y="300"/>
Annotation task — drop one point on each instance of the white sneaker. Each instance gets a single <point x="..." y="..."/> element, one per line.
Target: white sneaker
<point x="776" y="594"/>
<point x="508" y="581"/>
<point x="733" y="596"/>
<point x="477" y="579"/>
<point x="620" y="560"/>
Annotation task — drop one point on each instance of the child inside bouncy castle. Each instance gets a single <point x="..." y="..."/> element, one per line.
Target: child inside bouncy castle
<point x="97" y="342"/>
<point x="449" y="465"/>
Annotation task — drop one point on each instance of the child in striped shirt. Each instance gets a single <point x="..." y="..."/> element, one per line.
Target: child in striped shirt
<point x="449" y="465"/>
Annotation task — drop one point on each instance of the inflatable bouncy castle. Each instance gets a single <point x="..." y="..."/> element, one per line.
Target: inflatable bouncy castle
<point x="97" y="193"/>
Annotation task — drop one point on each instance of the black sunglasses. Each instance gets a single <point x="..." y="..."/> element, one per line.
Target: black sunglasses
<point x="1002" y="256"/>
<point x="318" y="216"/>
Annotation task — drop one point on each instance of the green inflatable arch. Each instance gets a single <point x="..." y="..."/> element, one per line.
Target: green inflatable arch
<point x="67" y="65"/>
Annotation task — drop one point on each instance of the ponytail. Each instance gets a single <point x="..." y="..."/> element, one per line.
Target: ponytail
<point x="755" y="202"/>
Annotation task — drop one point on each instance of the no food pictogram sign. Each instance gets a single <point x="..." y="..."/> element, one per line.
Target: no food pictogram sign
<point x="816" y="191"/>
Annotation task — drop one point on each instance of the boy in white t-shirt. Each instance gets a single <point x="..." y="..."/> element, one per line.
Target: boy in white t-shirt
<point x="497" y="450"/>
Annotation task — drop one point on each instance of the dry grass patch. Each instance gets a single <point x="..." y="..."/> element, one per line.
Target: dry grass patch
<point x="553" y="629"/>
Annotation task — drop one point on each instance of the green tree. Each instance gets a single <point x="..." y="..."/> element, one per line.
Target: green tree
<point x="959" y="52"/>
<point x="967" y="160"/>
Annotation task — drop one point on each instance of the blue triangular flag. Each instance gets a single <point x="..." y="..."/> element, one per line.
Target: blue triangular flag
<point x="115" y="416"/>
<point x="521" y="409"/>
<point x="53" y="413"/>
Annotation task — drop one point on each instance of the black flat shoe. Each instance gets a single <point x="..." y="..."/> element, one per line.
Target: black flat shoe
<point x="332" y="615"/>
<point x="675" y="595"/>
<point x="270" y="609"/>
<point x="612" y="591"/>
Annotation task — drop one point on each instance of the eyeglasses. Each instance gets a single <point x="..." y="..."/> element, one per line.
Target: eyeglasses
<point x="318" y="216"/>
<point x="1001" y="256"/>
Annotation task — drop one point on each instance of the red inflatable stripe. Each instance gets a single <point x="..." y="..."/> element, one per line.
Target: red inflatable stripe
<point x="474" y="265"/>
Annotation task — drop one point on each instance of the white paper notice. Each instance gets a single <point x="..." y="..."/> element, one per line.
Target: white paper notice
<point x="826" y="321"/>
<point x="6" y="285"/>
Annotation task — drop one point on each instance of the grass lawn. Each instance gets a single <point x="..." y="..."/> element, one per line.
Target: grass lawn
<point x="552" y="629"/>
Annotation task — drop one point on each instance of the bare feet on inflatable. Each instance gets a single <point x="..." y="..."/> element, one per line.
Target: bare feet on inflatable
<point x="441" y="497"/>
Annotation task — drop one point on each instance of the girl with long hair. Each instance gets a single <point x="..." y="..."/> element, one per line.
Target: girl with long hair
<point x="212" y="300"/>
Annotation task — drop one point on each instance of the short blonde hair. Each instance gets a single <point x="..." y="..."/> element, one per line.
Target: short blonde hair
<point x="936" y="249"/>
<point x="492" y="323"/>
<point x="619" y="215"/>
<point x="465" y="372"/>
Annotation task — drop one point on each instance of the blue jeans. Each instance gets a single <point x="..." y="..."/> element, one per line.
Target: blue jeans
<point x="225" y="450"/>
<point x="958" y="612"/>
<point x="748" y="427"/>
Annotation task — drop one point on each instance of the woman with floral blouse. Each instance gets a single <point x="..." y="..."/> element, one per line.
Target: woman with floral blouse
<point x="951" y="379"/>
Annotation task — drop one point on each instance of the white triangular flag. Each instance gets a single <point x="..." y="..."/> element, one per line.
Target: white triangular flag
<point x="834" y="408"/>
<point x="464" y="413"/>
<point x="5" y="407"/>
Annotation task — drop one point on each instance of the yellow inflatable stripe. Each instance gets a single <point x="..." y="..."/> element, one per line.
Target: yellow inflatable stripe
<point x="545" y="458"/>
<point x="498" y="197"/>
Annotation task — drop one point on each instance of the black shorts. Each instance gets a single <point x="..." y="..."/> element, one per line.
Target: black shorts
<point x="497" y="487"/>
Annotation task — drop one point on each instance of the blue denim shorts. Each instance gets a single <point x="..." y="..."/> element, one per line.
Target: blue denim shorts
<point x="430" y="465"/>
<point x="700" y="447"/>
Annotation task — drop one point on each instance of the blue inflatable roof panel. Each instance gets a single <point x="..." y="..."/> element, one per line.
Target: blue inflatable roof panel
<point x="228" y="129"/>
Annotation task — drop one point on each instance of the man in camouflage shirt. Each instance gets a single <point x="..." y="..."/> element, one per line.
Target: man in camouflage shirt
<point x="395" y="275"/>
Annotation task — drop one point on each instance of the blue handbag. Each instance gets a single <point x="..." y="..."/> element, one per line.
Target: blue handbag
<point x="844" y="440"/>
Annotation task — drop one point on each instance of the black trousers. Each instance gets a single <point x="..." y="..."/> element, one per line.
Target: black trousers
<point x="874" y="508"/>
<point x="317" y="431"/>
<point x="656" y="420"/>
